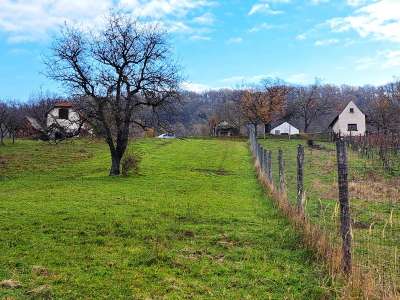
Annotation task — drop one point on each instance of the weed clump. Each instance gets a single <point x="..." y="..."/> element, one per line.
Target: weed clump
<point x="130" y="164"/>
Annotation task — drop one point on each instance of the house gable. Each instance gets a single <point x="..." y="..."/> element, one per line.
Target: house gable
<point x="285" y="128"/>
<point x="351" y="121"/>
<point x="63" y="115"/>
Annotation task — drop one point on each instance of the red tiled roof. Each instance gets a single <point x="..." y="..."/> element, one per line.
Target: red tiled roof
<point x="64" y="104"/>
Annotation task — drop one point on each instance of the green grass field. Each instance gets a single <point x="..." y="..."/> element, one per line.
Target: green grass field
<point x="194" y="223"/>
<point x="374" y="201"/>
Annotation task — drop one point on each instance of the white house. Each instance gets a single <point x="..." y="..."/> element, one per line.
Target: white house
<point x="63" y="115"/>
<point x="351" y="121"/>
<point x="285" y="128"/>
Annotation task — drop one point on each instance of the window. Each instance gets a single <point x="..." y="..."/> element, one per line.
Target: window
<point x="352" y="127"/>
<point x="277" y="132"/>
<point x="63" y="113"/>
<point x="352" y="110"/>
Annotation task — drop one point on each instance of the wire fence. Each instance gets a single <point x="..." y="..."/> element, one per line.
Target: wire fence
<point x="381" y="147"/>
<point x="360" y="239"/>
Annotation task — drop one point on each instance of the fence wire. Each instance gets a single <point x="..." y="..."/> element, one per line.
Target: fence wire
<point x="374" y="198"/>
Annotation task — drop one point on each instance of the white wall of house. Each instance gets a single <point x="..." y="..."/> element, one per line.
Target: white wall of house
<point x="71" y="124"/>
<point x="285" y="128"/>
<point x="350" y="122"/>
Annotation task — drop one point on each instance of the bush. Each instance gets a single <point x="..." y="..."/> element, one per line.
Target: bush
<point x="310" y="143"/>
<point x="130" y="164"/>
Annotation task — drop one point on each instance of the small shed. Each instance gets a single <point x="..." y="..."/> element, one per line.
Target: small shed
<point x="30" y="128"/>
<point x="284" y="128"/>
<point x="226" y="129"/>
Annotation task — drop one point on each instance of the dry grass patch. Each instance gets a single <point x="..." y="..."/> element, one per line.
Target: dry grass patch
<point x="10" y="284"/>
<point x="377" y="191"/>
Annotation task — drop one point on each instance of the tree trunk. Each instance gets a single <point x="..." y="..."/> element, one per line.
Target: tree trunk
<point x="267" y="129"/>
<point x="306" y="125"/>
<point x="118" y="150"/>
<point x="115" y="169"/>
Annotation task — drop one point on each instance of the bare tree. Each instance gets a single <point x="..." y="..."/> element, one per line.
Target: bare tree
<point x="266" y="104"/>
<point x="3" y="121"/>
<point x="313" y="102"/>
<point x="385" y="108"/>
<point x="14" y="120"/>
<point x="39" y="105"/>
<point x="114" y="74"/>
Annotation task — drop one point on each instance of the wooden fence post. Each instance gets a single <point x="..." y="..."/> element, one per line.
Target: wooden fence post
<point x="282" y="179"/>
<point x="270" y="167"/>
<point x="300" y="179"/>
<point x="345" y="218"/>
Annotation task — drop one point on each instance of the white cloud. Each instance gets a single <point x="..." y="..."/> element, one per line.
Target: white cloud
<point x="241" y="80"/>
<point x="326" y="42"/>
<point x="195" y="87"/>
<point x="200" y="38"/>
<point x="296" y="78"/>
<point x="300" y="78"/>
<point x="161" y="8"/>
<point x="263" y="7"/>
<point x="357" y="2"/>
<point x="386" y="59"/>
<point x="317" y="2"/>
<point x="32" y="20"/>
<point x="205" y="19"/>
<point x="262" y="26"/>
<point x="235" y="40"/>
<point x="380" y="20"/>
<point x="392" y="58"/>
<point x="301" y="37"/>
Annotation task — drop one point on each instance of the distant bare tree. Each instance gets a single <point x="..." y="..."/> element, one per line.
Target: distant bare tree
<point x="114" y="75"/>
<point x="266" y="104"/>
<point x="39" y="105"/>
<point x="14" y="120"/>
<point x="313" y="102"/>
<point x="3" y="121"/>
<point x="384" y="108"/>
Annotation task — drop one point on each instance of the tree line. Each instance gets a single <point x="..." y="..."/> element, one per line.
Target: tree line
<point x="311" y="108"/>
<point x="122" y="76"/>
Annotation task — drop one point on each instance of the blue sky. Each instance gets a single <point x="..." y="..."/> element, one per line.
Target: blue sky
<point x="221" y="43"/>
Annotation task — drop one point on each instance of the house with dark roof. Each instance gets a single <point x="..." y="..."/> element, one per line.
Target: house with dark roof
<point x="30" y="128"/>
<point x="350" y="122"/>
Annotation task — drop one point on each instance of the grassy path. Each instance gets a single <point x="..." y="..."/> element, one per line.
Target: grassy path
<point x="194" y="224"/>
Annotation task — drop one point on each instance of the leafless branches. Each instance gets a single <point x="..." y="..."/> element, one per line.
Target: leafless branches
<point x="115" y="75"/>
<point x="266" y="104"/>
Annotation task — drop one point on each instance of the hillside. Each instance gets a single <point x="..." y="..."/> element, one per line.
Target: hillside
<point x="194" y="223"/>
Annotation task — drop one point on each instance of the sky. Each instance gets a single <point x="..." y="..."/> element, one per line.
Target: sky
<point x="219" y="44"/>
